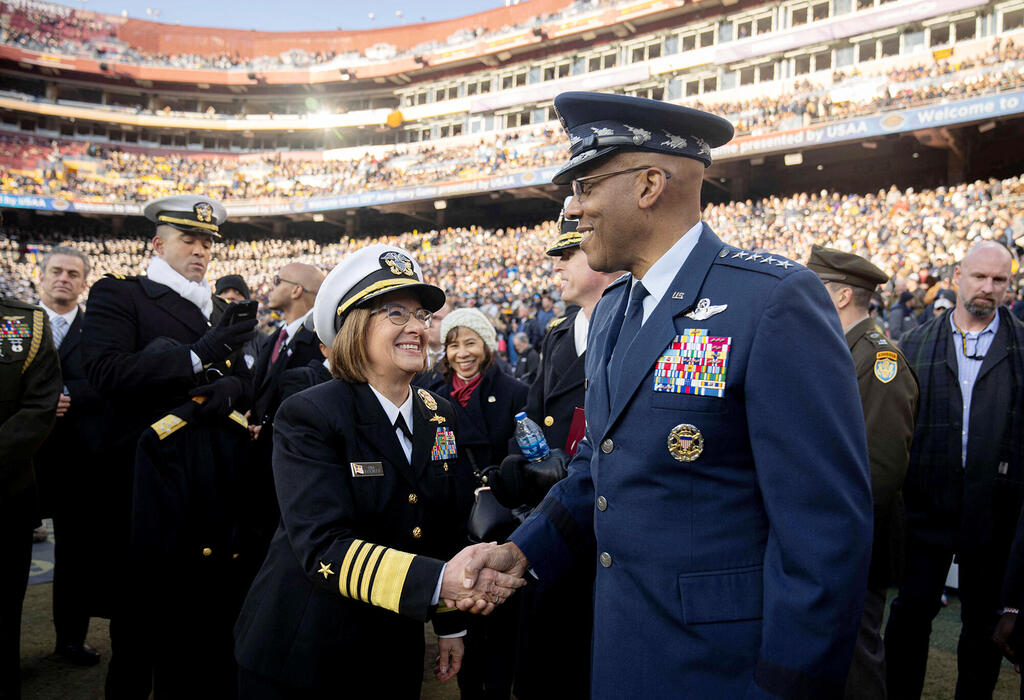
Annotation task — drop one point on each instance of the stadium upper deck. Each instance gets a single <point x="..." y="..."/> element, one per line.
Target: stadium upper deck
<point x="792" y="76"/>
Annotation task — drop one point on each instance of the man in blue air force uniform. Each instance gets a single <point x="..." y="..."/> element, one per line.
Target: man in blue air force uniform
<point x="724" y="478"/>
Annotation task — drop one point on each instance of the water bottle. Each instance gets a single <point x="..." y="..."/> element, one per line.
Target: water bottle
<point x="531" y="438"/>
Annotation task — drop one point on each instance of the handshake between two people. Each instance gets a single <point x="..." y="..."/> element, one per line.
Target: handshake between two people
<point x="483" y="576"/>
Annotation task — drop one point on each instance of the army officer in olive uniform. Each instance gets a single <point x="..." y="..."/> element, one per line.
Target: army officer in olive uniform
<point x="889" y="394"/>
<point x="30" y="385"/>
<point x="365" y="471"/>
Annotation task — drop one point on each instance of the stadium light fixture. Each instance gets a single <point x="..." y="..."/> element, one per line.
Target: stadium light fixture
<point x="440" y="204"/>
<point x="793" y="159"/>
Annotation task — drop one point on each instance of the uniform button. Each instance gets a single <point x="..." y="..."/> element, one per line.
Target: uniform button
<point x="606" y="559"/>
<point x="235" y="555"/>
<point x="446" y="466"/>
<point x="413" y="498"/>
<point x="602" y="503"/>
<point x="607" y="446"/>
<point x="227" y="363"/>
<point x="207" y="551"/>
<point x="549" y="421"/>
<point x="417" y="532"/>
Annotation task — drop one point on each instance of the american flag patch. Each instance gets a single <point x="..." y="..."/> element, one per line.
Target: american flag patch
<point x="693" y="363"/>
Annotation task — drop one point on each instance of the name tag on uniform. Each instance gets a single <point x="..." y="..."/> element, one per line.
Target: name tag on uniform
<point x="360" y="469"/>
<point x="693" y="363"/>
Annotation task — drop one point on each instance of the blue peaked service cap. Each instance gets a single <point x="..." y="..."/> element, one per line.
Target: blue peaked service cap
<point x="599" y="125"/>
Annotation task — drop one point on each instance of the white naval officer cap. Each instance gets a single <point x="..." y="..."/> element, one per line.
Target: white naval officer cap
<point x="364" y="275"/>
<point x="187" y="212"/>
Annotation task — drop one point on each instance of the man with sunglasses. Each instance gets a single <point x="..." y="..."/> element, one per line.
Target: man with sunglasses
<point x="965" y="482"/>
<point x="722" y="489"/>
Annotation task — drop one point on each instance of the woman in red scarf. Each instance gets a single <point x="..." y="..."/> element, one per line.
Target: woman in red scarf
<point x="485" y="400"/>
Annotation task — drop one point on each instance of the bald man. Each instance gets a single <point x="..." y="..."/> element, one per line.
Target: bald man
<point x="965" y="482"/>
<point x="293" y="294"/>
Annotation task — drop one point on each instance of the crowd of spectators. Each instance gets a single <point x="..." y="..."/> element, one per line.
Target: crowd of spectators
<point x="915" y="236"/>
<point x="62" y="30"/>
<point x="116" y="175"/>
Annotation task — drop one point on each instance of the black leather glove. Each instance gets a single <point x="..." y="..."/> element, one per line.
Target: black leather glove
<point x="222" y="396"/>
<point x="223" y="339"/>
<point x="519" y="481"/>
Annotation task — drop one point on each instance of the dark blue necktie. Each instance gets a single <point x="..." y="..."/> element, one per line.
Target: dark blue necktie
<point x="630" y="327"/>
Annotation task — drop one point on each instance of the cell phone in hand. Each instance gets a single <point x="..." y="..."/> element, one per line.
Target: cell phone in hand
<point x="241" y="311"/>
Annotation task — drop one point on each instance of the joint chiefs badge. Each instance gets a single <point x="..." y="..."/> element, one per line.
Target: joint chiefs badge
<point x="398" y="263"/>
<point x="204" y="212"/>
<point x="885" y="366"/>
<point x="427" y="399"/>
<point x="685" y="442"/>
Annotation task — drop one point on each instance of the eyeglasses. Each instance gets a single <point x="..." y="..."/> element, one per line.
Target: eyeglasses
<point x="399" y="315"/>
<point x="278" y="280"/>
<point x="579" y="189"/>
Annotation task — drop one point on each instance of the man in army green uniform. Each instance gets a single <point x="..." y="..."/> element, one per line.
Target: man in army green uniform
<point x="30" y="385"/>
<point x="889" y="394"/>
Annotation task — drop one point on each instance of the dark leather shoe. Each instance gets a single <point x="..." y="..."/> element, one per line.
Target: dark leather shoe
<point x="78" y="654"/>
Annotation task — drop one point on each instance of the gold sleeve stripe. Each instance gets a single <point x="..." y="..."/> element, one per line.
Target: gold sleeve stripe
<point x="355" y="574"/>
<point x="387" y="589"/>
<point x="37" y="339"/>
<point x="346" y="566"/>
<point x="366" y="575"/>
<point x="442" y="608"/>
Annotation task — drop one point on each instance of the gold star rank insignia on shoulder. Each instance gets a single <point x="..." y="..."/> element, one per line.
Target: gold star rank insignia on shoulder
<point x="325" y="569"/>
<point x="427" y="399"/>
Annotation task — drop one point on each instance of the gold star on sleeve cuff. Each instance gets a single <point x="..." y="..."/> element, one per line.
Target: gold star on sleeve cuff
<point x="325" y="569"/>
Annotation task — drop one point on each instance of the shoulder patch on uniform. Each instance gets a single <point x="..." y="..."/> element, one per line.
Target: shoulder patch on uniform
<point x="772" y="263"/>
<point x="885" y="366"/>
<point x="554" y="322"/>
<point x="167" y="425"/>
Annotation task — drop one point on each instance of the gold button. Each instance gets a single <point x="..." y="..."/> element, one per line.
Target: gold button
<point x="606" y="559"/>
<point x="227" y="363"/>
<point x="235" y="555"/>
<point x="417" y="532"/>
<point x="602" y="503"/>
<point x="446" y="466"/>
<point x="607" y="446"/>
<point x="413" y="498"/>
<point x="207" y="551"/>
<point x="549" y="421"/>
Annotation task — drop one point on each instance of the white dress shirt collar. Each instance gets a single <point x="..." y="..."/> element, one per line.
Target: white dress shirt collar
<point x="293" y="327"/>
<point x="579" y="332"/>
<point x="393" y="412"/>
<point x="69" y="316"/>
<point x="659" y="277"/>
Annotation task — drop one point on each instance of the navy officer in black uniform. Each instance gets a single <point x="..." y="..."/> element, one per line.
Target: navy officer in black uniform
<point x="365" y="472"/>
<point x="723" y="484"/>
<point x="149" y="342"/>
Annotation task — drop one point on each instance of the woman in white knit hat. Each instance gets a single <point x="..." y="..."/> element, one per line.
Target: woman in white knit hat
<point x="485" y="400"/>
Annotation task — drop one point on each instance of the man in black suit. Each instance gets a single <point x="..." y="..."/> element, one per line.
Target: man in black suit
<point x="965" y="482"/>
<point x="149" y="343"/>
<point x="293" y="345"/>
<point x="528" y="360"/>
<point x="65" y="468"/>
<point x="29" y="387"/>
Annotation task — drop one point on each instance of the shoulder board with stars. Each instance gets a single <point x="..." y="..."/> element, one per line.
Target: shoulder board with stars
<point x="878" y="340"/>
<point x="771" y="263"/>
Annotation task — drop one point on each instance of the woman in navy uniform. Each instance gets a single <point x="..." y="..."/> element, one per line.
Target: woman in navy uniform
<point x="485" y="400"/>
<point x="365" y="471"/>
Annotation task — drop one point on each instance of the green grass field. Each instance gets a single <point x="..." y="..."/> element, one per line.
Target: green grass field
<point x="46" y="678"/>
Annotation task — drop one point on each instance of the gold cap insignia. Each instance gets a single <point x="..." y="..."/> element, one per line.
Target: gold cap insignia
<point x="685" y="442"/>
<point x="427" y="399"/>
<point x="204" y="212"/>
